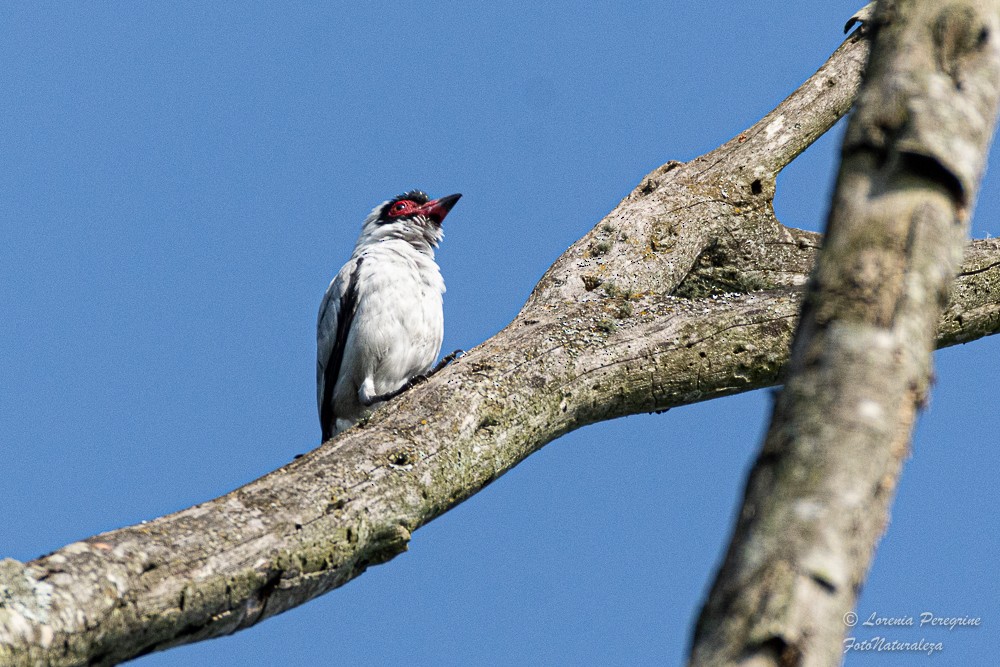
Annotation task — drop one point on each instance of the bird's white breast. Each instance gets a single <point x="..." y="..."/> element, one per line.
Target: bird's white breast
<point x="398" y="321"/>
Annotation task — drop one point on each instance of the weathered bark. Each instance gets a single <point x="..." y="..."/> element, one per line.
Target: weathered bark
<point x="818" y="497"/>
<point x="687" y="291"/>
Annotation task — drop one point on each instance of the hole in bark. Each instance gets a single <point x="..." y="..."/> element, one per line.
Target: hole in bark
<point x="930" y="169"/>
<point x="400" y="458"/>
<point x="486" y="422"/>
<point x="756" y="187"/>
<point x="823" y="582"/>
<point x="783" y="652"/>
<point x="336" y="505"/>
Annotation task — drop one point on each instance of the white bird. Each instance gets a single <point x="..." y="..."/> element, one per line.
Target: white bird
<point x="381" y="321"/>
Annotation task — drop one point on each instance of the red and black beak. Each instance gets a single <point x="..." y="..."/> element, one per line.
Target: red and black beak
<point x="437" y="210"/>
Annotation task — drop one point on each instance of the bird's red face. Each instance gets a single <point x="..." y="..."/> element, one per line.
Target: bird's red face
<point x="435" y="210"/>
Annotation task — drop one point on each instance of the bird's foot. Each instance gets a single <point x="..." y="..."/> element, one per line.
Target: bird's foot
<point x="414" y="381"/>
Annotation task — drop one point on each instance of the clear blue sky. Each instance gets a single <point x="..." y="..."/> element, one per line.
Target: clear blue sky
<point x="180" y="181"/>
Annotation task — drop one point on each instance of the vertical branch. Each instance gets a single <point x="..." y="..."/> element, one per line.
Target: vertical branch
<point x="818" y="497"/>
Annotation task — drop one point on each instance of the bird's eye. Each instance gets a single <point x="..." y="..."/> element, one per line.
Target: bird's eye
<point x="401" y="207"/>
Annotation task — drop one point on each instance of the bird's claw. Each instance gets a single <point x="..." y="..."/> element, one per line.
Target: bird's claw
<point x="862" y="18"/>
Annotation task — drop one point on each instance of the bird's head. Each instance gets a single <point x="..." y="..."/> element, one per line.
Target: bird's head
<point x="413" y="217"/>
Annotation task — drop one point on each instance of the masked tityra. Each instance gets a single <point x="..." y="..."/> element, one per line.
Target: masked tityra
<point x="381" y="322"/>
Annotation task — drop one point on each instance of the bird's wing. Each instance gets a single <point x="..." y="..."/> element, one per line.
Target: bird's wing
<point x="334" y="323"/>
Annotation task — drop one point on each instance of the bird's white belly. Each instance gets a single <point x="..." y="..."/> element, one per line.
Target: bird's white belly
<point x="398" y="325"/>
<point x="401" y="341"/>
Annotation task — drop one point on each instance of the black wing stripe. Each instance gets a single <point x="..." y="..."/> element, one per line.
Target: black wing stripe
<point x="345" y="317"/>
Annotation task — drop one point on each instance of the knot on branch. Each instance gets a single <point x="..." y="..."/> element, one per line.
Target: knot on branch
<point x="958" y="34"/>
